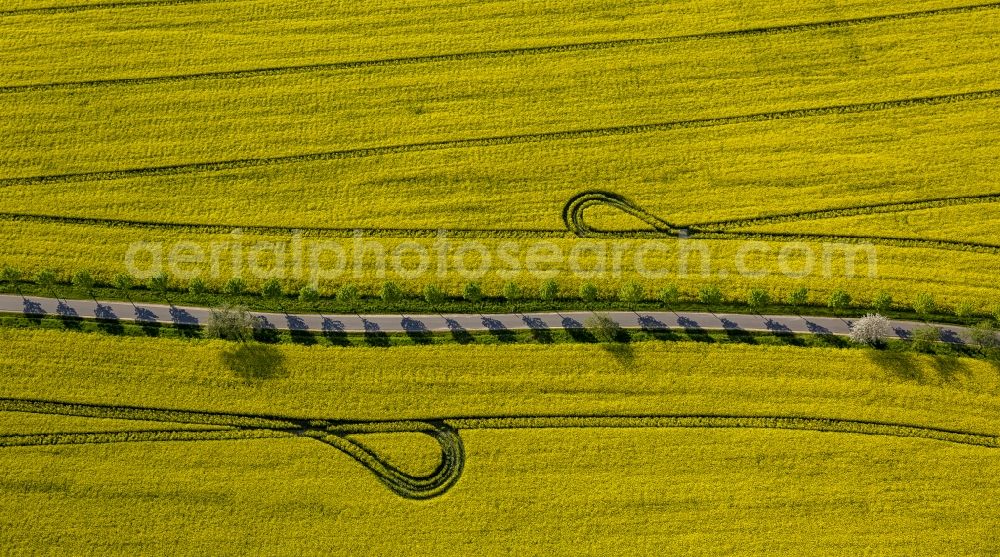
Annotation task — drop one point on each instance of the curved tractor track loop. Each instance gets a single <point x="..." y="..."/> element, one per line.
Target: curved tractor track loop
<point x="402" y="483"/>
<point x="731" y="229"/>
<point x="446" y="431"/>
<point x="226" y="426"/>
<point x="574" y="209"/>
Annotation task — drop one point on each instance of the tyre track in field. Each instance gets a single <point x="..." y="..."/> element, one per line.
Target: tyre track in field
<point x="317" y="231"/>
<point x="515" y="139"/>
<point x="136" y="436"/>
<point x="498" y="53"/>
<point x="44" y="10"/>
<point x="573" y="219"/>
<point x="892" y="241"/>
<point x="858" y="210"/>
<point x="446" y="431"/>
<point x="576" y="226"/>
<point x="334" y="433"/>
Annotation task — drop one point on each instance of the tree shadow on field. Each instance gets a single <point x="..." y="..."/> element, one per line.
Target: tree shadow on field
<point x="499" y="330"/>
<point x="69" y="317"/>
<point x="150" y="328"/>
<point x="147" y="321"/>
<point x="181" y="316"/>
<point x="694" y="330"/>
<point x="783" y="333"/>
<point x="110" y="326"/>
<point x="993" y="358"/>
<point x="539" y="330"/>
<point x="902" y="365"/>
<point x="417" y="331"/>
<point x="950" y="367"/>
<point x="735" y="333"/>
<point x="656" y="328"/>
<point x="621" y="349"/>
<point x="951" y="337"/>
<point x="299" y="331"/>
<point x="33" y="311"/>
<point x="265" y="331"/>
<point x="943" y="369"/>
<point x="825" y="336"/>
<point x="903" y="333"/>
<point x="577" y="331"/>
<point x="187" y="325"/>
<point x="254" y="361"/>
<point x="374" y="335"/>
<point x="334" y="332"/>
<point x="459" y="333"/>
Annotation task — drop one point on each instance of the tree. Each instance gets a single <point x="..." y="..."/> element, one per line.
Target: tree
<point x="12" y="276"/>
<point x="124" y="282"/>
<point x="670" y="295"/>
<point x="758" y="299"/>
<point x="271" y="289"/>
<point x="231" y="323"/>
<point x="512" y="293"/>
<point x="996" y="313"/>
<point x="985" y="335"/>
<point x="925" y="338"/>
<point x="473" y="293"/>
<point x="631" y="293"/>
<point x="46" y="278"/>
<point x="882" y="302"/>
<point x="549" y="290"/>
<point x="159" y="283"/>
<point x="798" y="298"/>
<point x="391" y="293"/>
<point x="588" y="292"/>
<point x="433" y="296"/>
<point x="308" y="295"/>
<point x="196" y="287"/>
<point x="605" y="329"/>
<point x="84" y="281"/>
<point x="348" y="295"/>
<point x="871" y="329"/>
<point x="924" y="304"/>
<point x="839" y="300"/>
<point x="965" y="309"/>
<point x="710" y="295"/>
<point x="235" y="286"/>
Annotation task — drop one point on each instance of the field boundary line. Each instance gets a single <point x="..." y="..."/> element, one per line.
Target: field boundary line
<point x="858" y="210"/>
<point x="103" y="6"/>
<point x="446" y="431"/>
<point x="573" y="219"/>
<point x="488" y="54"/>
<point x="135" y="436"/>
<point x="249" y="426"/>
<point x="333" y="232"/>
<point x="575" y="225"/>
<point x="491" y="141"/>
<point x="514" y="234"/>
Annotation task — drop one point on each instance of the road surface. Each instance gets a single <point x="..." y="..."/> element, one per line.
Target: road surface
<point x="413" y="323"/>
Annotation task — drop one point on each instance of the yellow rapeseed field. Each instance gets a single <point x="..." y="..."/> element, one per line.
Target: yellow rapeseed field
<point x="548" y="490"/>
<point x="844" y="145"/>
<point x="404" y="118"/>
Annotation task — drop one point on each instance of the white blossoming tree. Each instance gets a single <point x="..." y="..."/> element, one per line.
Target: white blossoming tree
<point x="871" y="329"/>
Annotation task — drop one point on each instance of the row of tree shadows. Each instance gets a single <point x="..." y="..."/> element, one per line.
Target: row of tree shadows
<point x="418" y="332"/>
<point x="260" y="361"/>
<point x="945" y="368"/>
<point x="109" y="322"/>
<point x="334" y="331"/>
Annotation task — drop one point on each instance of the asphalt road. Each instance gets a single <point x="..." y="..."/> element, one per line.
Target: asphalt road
<point x="650" y="320"/>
